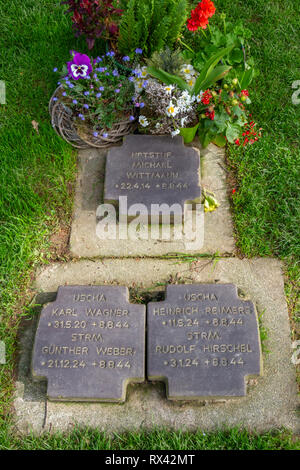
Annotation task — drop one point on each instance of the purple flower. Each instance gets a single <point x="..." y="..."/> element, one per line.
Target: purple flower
<point x="98" y="95"/>
<point x="64" y="93"/>
<point x="126" y="58"/>
<point x="117" y="90"/>
<point x="137" y="105"/>
<point x="139" y="51"/>
<point x="131" y="79"/>
<point x="142" y="105"/>
<point x="86" y="106"/>
<point x="101" y="88"/>
<point x="70" y="85"/>
<point x="55" y="69"/>
<point x="107" y="74"/>
<point x="81" y="116"/>
<point x="86" y="93"/>
<point x="75" y="101"/>
<point x="80" y="66"/>
<point x="115" y="73"/>
<point x="58" y="83"/>
<point x="131" y="118"/>
<point x="95" y="134"/>
<point x="105" y="135"/>
<point x="55" y="99"/>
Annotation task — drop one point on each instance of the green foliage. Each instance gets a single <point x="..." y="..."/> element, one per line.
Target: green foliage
<point x="167" y="60"/>
<point x="263" y="333"/>
<point x="168" y="78"/>
<point x="104" y="109"/>
<point x="151" y="25"/>
<point x="209" y="74"/>
<point x="230" y="119"/>
<point x="159" y="439"/>
<point x="223" y="34"/>
<point x="188" y="133"/>
<point x="207" y="70"/>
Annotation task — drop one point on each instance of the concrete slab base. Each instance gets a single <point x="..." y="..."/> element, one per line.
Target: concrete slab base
<point x="271" y="400"/>
<point x="84" y="242"/>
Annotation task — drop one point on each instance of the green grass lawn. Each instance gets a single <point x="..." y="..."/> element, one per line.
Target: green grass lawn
<point x="84" y="439"/>
<point x="37" y="173"/>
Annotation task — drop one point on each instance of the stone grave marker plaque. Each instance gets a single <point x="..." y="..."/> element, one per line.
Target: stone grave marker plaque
<point x="203" y="341"/>
<point x="90" y="343"/>
<point x="153" y="171"/>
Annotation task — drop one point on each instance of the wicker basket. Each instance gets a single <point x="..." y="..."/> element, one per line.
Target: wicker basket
<point x="62" y="120"/>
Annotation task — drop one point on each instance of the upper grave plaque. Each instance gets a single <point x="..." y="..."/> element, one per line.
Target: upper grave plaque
<point x="152" y="170"/>
<point x="203" y="340"/>
<point x="90" y="343"/>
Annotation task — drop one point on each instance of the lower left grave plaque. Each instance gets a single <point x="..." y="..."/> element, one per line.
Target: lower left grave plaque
<point x="90" y="343"/>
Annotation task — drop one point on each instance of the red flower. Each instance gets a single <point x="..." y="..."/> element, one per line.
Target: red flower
<point x="210" y="114"/>
<point x="197" y="20"/>
<point x="237" y="142"/>
<point x="208" y="7"/>
<point x="245" y="92"/>
<point x="233" y="191"/>
<point x="199" y="16"/>
<point x="206" y="97"/>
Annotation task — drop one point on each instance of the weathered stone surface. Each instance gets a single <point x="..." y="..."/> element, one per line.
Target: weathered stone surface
<point x="271" y="401"/>
<point x="203" y="341"/>
<point x="153" y="171"/>
<point x="84" y="242"/>
<point x="90" y="343"/>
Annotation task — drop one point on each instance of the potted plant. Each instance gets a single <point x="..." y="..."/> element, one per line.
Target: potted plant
<point x="92" y="105"/>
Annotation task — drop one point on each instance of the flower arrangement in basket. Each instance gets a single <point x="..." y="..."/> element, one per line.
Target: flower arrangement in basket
<point x="171" y="69"/>
<point x="92" y="105"/>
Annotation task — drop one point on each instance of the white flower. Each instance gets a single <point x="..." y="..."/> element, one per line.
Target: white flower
<point x="176" y="132"/>
<point x="185" y="101"/>
<point x="169" y="89"/>
<point x="183" y="121"/>
<point x="188" y="69"/>
<point x="144" y="73"/>
<point x="188" y="77"/>
<point x="143" y="121"/>
<point x="199" y="97"/>
<point x="138" y="85"/>
<point x="191" y="81"/>
<point x="158" y="125"/>
<point x="171" y="110"/>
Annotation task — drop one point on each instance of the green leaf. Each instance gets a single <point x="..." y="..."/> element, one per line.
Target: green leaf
<point x="237" y="55"/>
<point x="210" y="65"/>
<point x="168" y="78"/>
<point x="232" y="132"/>
<point x="219" y="140"/>
<point x="205" y="138"/>
<point x="237" y="111"/>
<point x="246" y="78"/>
<point x="188" y="133"/>
<point x="216" y="74"/>
<point x="220" y="121"/>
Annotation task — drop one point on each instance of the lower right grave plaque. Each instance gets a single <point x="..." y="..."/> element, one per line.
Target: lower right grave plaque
<point x="203" y="341"/>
